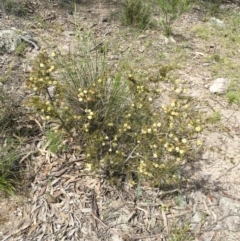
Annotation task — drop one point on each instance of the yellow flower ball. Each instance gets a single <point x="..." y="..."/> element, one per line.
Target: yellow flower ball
<point x="178" y="91"/>
<point x="162" y="166"/>
<point x="198" y="128"/>
<point x="88" y="166"/>
<point x="143" y="131"/>
<point x="184" y="141"/>
<point x="170" y="149"/>
<point x="173" y="104"/>
<point x="181" y="152"/>
<point x="199" y="143"/>
<point x="155" y="155"/>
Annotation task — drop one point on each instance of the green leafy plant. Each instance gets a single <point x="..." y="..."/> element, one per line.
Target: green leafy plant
<point x="171" y="10"/>
<point x="8" y="159"/>
<point x="21" y="48"/>
<point x="233" y="96"/>
<point x="212" y="7"/>
<point x="10" y="143"/>
<point x="181" y="233"/>
<point x="18" y="8"/>
<point x="8" y="156"/>
<point x="116" y="118"/>
<point x="136" y="13"/>
<point x="202" y="32"/>
<point x="214" y="117"/>
<point x="55" y="141"/>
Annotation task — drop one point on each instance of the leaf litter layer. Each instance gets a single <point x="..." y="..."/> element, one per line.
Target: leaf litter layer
<point x="105" y="194"/>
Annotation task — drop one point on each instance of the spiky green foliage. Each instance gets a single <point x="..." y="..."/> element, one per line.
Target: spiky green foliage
<point x="136" y="13"/>
<point x="15" y="7"/>
<point x="118" y="119"/>
<point x="171" y="10"/>
<point x="8" y="153"/>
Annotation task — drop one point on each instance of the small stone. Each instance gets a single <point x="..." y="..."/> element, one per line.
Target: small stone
<point x="105" y="19"/>
<point x="172" y="40"/>
<point x="228" y="205"/>
<point x="58" y="226"/>
<point x="28" y="69"/>
<point x="114" y="57"/>
<point x="142" y="36"/>
<point x="199" y="54"/>
<point x="181" y="200"/>
<point x="9" y="41"/>
<point x="141" y="49"/>
<point x="220" y="86"/>
<point x="196" y="219"/>
<point x="52" y="90"/>
<point x="233" y="223"/>
<point x="69" y="33"/>
<point x="217" y="21"/>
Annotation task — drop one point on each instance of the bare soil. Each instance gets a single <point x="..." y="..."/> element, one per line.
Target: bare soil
<point x="75" y="206"/>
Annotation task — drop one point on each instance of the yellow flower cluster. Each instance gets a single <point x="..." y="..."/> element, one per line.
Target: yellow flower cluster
<point x="143" y="169"/>
<point x="131" y="133"/>
<point x="85" y="95"/>
<point x="126" y="127"/>
<point x="140" y="89"/>
<point x="90" y="114"/>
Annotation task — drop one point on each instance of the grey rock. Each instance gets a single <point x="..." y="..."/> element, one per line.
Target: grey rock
<point x="206" y="64"/>
<point x="69" y="33"/>
<point x="217" y="21"/>
<point x="141" y="49"/>
<point x="229" y="206"/>
<point x="52" y="90"/>
<point x="114" y="57"/>
<point x="142" y="36"/>
<point x="219" y="86"/>
<point x="9" y="41"/>
<point x="233" y="223"/>
<point x="181" y="200"/>
<point x="196" y="220"/>
<point x="105" y="19"/>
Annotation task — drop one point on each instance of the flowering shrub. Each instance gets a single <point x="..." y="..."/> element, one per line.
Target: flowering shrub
<point x="120" y="122"/>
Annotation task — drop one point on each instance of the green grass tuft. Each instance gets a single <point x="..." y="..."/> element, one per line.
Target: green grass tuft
<point x="136" y="13"/>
